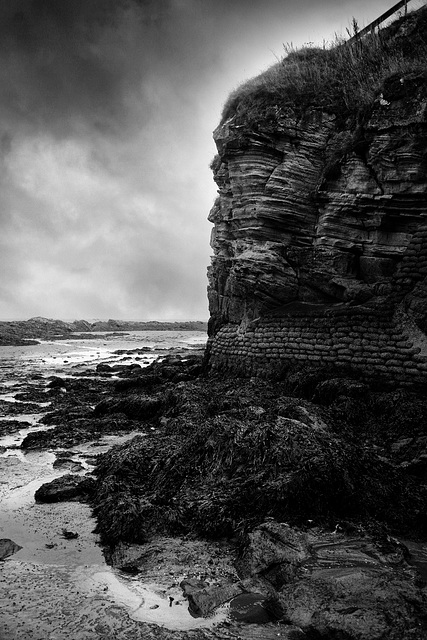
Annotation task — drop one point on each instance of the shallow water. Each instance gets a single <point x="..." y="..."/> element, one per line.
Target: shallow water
<point x="70" y="569"/>
<point x="52" y="355"/>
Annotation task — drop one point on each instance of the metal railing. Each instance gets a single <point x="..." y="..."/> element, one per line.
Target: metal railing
<point x="371" y="27"/>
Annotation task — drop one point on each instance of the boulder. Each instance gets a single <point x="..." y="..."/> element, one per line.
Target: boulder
<point x="142" y="381"/>
<point x="131" y="558"/>
<point x="56" y="382"/>
<point x="68" y="464"/>
<point x="8" y="548"/>
<point x="276" y="551"/>
<point x="203" y="599"/>
<point x="133" y="406"/>
<point x="102" y="367"/>
<point x="68" y="487"/>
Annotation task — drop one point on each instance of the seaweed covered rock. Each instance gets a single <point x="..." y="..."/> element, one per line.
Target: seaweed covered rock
<point x="169" y="369"/>
<point x="329" y="390"/>
<point x="225" y="458"/>
<point x="336" y="586"/>
<point x="72" y="432"/>
<point x="145" y="381"/>
<point x="56" y="382"/>
<point x="133" y="406"/>
<point x="176" y="366"/>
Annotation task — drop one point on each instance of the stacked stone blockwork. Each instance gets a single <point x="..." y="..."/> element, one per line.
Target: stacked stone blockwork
<point x="374" y="344"/>
<point x="383" y="340"/>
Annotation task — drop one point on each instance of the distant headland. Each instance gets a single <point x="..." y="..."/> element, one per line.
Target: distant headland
<point x="24" y="332"/>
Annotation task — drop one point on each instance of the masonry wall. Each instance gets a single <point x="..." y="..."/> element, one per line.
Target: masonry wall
<point x="386" y="346"/>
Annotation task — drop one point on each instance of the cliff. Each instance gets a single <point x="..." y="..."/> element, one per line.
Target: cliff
<point x="322" y="179"/>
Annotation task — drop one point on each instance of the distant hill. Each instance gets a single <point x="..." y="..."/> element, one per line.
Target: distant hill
<point x="23" y="332"/>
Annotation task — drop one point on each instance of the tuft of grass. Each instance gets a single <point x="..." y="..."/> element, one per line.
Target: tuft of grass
<point x="342" y="79"/>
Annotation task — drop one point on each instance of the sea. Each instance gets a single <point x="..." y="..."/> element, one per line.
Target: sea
<point x="49" y="357"/>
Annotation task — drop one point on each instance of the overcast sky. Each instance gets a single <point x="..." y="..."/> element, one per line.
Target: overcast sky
<point x="107" y="111"/>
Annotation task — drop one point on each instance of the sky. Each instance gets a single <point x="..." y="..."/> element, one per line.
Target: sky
<point x="107" y="109"/>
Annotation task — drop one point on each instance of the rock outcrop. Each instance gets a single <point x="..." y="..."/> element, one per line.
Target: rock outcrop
<point x="67" y="487"/>
<point x="319" y="211"/>
<point x="336" y="586"/>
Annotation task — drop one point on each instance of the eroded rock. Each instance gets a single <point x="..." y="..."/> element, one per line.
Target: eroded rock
<point x="332" y="585"/>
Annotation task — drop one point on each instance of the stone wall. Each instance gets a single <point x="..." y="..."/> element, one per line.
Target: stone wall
<point x="382" y="346"/>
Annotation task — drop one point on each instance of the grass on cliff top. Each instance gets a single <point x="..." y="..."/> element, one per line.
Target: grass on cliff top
<point x="342" y="79"/>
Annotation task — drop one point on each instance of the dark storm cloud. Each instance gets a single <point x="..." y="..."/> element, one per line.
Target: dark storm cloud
<point x="60" y="62"/>
<point x="66" y="63"/>
<point x="88" y="91"/>
<point x="106" y="114"/>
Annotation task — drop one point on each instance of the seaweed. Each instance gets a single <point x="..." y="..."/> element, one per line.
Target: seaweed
<point x="231" y="454"/>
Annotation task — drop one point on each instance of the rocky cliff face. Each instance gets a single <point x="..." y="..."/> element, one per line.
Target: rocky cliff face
<point x="319" y="210"/>
<point x="300" y="217"/>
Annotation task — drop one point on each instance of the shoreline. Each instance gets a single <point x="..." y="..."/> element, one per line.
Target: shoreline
<point x="75" y="570"/>
<point x="185" y="529"/>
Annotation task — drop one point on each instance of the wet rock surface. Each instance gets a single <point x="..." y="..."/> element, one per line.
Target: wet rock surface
<point x="65" y="462"/>
<point x="67" y="487"/>
<point x="331" y="584"/>
<point x="11" y="426"/>
<point x="203" y="599"/>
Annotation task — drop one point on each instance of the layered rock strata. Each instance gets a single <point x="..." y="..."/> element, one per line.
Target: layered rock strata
<point x="320" y="238"/>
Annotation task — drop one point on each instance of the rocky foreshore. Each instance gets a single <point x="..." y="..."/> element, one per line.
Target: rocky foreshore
<point x="293" y="500"/>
